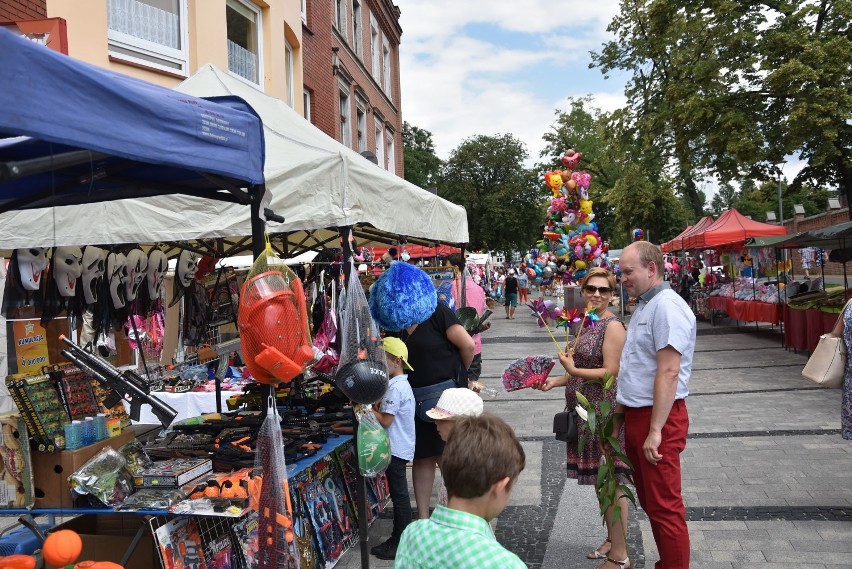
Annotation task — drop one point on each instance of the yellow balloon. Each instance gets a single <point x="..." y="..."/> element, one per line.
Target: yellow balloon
<point x="580" y="265"/>
<point x="591" y="240"/>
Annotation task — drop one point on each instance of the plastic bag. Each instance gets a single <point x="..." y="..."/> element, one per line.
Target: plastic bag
<point x="374" y="452"/>
<point x="105" y="477"/>
<point x="363" y="372"/>
<point x="136" y="457"/>
<point x="151" y="499"/>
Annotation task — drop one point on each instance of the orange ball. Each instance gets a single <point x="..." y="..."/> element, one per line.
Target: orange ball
<point x="62" y="548"/>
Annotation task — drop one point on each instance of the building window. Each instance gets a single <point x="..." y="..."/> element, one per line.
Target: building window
<point x="361" y="124"/>
<point x="305" y="11"/>
<point x="149" y="32"/>
<point x="375" y="48"/>
<point x="306" y="103"/>
<point x="345" y="123"/>
<point x="340" y="16"/>
<point x="380" y="141"/>
<point x="390" y="152"/>
<point x="244" y="55"/>
<point x="386" y="68"/>
<point x="288" y="66"/>
<point x="357" y="28"/>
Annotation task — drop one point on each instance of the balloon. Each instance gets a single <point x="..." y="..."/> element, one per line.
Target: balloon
<point x="531" y="273"/>
<point x="580" y="264"/>
<point x="548" y="272"/>
<point x="591" y="240"/>
<point x="638" y="234"/>
<point x="537" y="280"/>
<point x="554" y="181"/>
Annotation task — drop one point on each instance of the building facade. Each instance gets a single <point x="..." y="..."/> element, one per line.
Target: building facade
<point x="351" y="75"/>
<point x="166" y="41"/>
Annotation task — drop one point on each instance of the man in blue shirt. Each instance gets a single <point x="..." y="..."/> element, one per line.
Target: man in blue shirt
<point x="656" y="365"/>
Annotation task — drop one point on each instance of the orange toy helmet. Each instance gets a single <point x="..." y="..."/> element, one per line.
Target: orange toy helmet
<point x="273" y="322"/>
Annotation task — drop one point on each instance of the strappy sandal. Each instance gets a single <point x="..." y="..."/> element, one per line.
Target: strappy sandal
<point x="624" y="564"/>
<point x="597" y="553"/>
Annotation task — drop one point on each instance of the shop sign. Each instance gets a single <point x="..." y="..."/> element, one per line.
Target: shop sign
<point x="31" y="349"/>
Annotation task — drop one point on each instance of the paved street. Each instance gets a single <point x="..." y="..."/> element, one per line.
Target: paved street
<point x="767" y="479"/>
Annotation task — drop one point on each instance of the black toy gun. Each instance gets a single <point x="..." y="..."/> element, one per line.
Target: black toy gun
<point x="123" y="385"/>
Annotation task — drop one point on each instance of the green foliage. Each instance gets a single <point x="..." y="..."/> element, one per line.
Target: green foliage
<point x="422" y="165"/>
<point x="504" y="202"/>
<point x="602" y="424"/>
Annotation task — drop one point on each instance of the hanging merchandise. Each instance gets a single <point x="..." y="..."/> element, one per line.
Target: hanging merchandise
<point x="273" y="321"/>
<point x="23" y="280"/>
<point x="373" y="443"/>
<point x="571" y="236"/>
<point x="363" y="372"/>
<point x="61" y="290"/>
<point x="326" y="339"/>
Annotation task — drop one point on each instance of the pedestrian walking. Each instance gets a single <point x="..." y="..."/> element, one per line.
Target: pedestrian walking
<point x="655" y="368"/>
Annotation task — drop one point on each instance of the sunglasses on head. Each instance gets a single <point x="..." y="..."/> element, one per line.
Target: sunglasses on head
<point x="601" y="289"/>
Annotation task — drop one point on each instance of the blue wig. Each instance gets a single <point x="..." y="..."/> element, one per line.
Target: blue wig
<point x="402" y="297"/>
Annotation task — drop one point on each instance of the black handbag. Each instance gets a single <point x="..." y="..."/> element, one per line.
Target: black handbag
<point x="425" y="398"/>
<point x="565" y="426"/>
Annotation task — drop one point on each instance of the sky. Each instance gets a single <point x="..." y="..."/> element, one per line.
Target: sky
<point x="476" y="67"/>
<point x="471" y="67"/>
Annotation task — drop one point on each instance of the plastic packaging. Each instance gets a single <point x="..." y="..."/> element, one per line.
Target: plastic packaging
<point x="89" y="431"/>
<point x="373" y="443"/>
<point x="101" y="427"/>
<point x="73" y="435"/>
<point x="105" y="477"/>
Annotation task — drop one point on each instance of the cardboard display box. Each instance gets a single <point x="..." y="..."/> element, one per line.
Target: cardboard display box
<point x="106" y="537"/>
<point x="52" y="469"/>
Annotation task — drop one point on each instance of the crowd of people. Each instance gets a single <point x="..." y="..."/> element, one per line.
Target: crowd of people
<point x="435" y="419"/>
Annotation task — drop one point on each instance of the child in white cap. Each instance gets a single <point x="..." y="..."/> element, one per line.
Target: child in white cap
<point x="396" y="414"/>
<point x="454" y="403"/>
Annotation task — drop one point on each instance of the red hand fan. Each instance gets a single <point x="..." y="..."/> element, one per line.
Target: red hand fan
<point x="526" y="372"/>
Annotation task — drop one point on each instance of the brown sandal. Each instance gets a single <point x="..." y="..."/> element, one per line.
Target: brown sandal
<point x="597" y="553"/>
<point x="624" y="564"/>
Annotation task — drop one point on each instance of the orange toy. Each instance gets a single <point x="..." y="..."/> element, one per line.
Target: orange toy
<point x="17" y="562"/>
<point x="62" y="548"/>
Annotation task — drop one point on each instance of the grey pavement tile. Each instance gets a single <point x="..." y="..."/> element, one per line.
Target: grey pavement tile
<point x="750" y="556"/>
<point x="823" y="556"/>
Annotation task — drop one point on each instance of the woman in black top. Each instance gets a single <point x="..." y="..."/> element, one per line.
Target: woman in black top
<point x="436" y="350"/>
<point x="511" y="294"/>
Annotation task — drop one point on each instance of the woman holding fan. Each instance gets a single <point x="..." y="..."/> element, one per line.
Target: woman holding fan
<point x="596" y="351"/>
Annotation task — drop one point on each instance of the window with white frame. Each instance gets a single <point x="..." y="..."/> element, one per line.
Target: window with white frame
<point x="244" y="54"/>
<point x="361" y="124"/>
<point x="380" y="141"/>
<point x="357" y="28"/>
<point x="345" y="114"/>
<point x="306" y="103"/>
<point x="390" y="151"/>
<point x="149" y="32"/>
<point x="288" y="67"/>
<point x="305" y="11"/>
<point x="386" y="67"/>
<point x="340" y="16"/>
<point x="375" y="47"/>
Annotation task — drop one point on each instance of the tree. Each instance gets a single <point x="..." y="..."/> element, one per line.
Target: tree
<point x="729" y="88"/>
<point x="422" y="165"/>
<point x="505" y="206"/>
<point x="724" y="199"/>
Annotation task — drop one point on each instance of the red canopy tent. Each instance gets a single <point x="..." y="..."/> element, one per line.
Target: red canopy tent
<point x="732" y="228"/>
<point x="678" y="243"/>
<point x="418" y="251"/>
<point x="667" y="246"/>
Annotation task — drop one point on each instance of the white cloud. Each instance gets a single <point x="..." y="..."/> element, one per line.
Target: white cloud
<point x="457" y="86"/>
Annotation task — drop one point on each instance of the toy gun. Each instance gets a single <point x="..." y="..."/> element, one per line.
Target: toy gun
<point x="123" y="385"/>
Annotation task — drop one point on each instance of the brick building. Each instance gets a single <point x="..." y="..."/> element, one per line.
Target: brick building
<point x="351" y="75"/>
<point x="13" y="10"/>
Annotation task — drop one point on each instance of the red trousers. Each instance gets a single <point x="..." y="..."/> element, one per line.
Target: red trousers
<point x="659" y="487"/>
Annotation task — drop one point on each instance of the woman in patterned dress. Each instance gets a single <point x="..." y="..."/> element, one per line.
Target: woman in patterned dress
<point x="844" y="328"/>
<point x="598" y="351"/>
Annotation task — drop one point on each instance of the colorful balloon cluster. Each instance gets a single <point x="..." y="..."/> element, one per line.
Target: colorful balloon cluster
<point x="571" y="243"/>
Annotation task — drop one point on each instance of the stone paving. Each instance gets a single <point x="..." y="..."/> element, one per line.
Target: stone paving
<point x="767" y="479"/>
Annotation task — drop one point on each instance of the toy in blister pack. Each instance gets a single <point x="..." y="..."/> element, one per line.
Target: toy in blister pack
<point x="180" y="545"/>
<point x="16" y="485"/>
<point x="41" y="408"/>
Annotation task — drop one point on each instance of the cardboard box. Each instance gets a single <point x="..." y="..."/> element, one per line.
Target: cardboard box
<point x="107" y="537"/>
<point x="52" y="469"/>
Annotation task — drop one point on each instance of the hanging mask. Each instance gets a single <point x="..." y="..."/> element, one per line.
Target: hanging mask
<point x="67" y="268"/>
<point x="94" y="267"/>
<point x="137" y="270"/>
<point x="31" y="264"/>
<point x="187" y="266"/>
<point x="117" y="271"/>
<point x="158" y="263"/>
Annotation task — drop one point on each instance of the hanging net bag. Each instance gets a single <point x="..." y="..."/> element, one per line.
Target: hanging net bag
<point x="273" y="321"/>
<point x="363" y="372"/>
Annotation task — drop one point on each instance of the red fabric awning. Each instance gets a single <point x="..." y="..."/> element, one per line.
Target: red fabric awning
<point x="419" y="251"/>
<point x="667" y="246"/>
<point x="679" y="242"/>
<point x="732" y="228"/>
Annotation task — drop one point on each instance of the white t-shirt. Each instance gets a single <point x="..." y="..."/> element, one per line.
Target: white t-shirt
<point x="399" y="402"/>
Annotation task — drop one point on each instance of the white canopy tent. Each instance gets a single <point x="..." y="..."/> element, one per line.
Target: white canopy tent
<point x="313" y="181"/>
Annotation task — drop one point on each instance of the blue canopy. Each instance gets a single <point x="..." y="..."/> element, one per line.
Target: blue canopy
<point x="71" y="132"/>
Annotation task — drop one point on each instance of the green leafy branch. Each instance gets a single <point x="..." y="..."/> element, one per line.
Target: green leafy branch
<point x="602" y="424"/>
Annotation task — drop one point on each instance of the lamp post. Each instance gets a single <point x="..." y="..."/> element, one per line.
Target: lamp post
<point x="780" y="201"/>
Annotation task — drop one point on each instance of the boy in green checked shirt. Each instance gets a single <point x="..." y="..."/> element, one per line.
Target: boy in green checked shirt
<point x="481" y="463"/>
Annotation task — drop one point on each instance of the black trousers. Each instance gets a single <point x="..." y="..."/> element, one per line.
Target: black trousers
<point x="398" y="484"/>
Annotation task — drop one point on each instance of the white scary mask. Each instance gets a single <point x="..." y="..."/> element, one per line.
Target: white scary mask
<point x="158" y="263"/>
<point x="117" y="273"/>
<point x="31" y="264"/>
<point x="67" y="268"/>
<point x="137" y="270"/>
<point x="187" y="265"/>
<point x="94" y="267"/>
